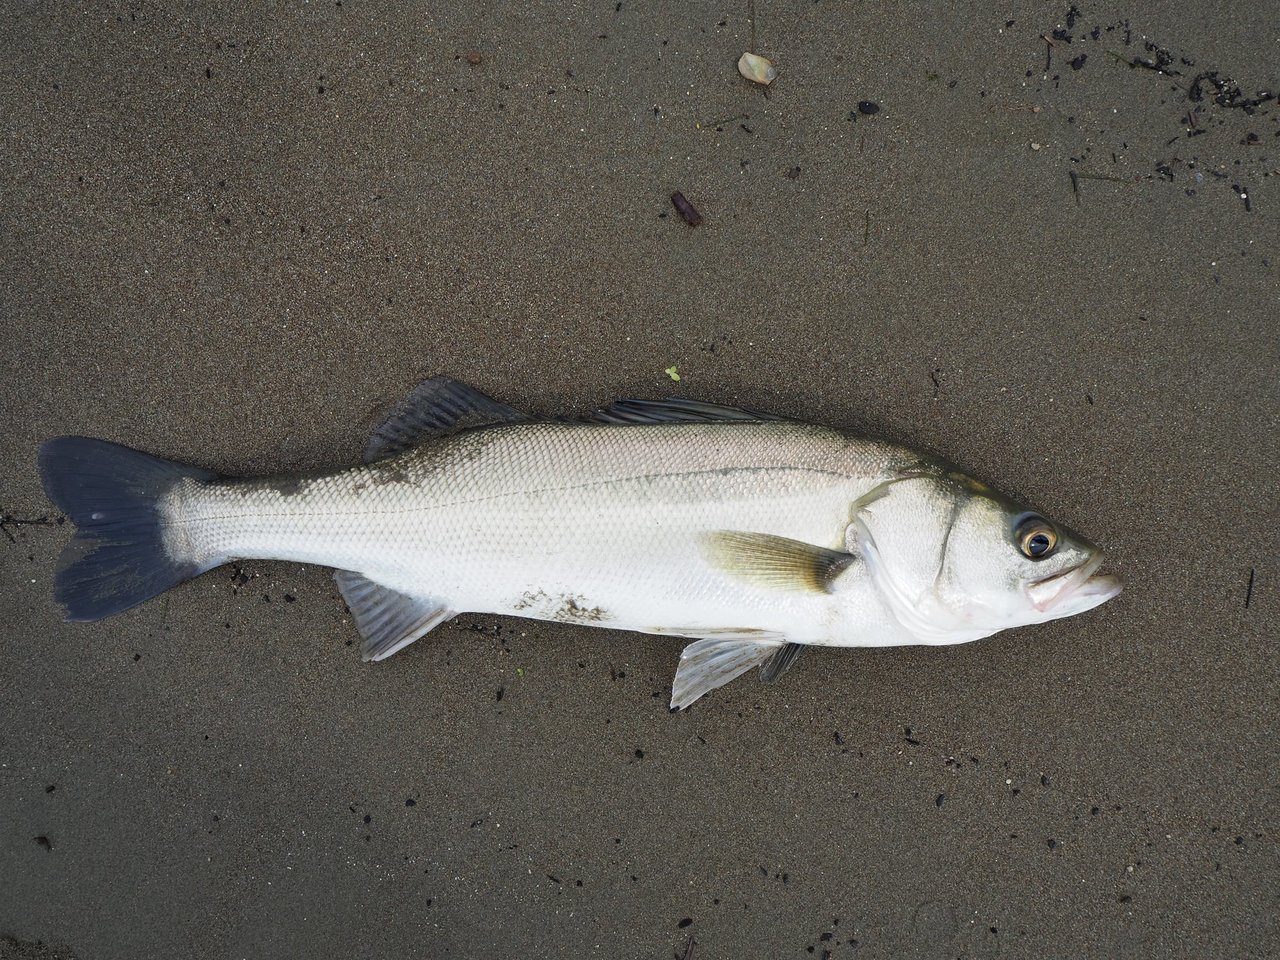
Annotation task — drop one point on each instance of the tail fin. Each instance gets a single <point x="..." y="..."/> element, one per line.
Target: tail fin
<point x="118" y="557"/>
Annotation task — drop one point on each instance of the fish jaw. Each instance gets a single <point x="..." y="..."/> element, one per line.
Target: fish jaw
<point x="1073" y="591"/>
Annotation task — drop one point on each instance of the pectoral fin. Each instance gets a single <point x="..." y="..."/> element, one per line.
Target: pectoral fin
<point x="774" y="562"/>
<point x="388" y="620"/>
<point x="713" y="662"/>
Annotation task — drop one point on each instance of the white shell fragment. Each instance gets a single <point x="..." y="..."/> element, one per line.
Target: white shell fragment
<point x="757" y="69"/>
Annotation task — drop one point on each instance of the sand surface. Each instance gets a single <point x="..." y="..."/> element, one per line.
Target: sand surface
<point x="230" y="233"/>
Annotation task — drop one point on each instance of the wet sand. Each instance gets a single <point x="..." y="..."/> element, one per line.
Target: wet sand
<point x="231" y="237"/>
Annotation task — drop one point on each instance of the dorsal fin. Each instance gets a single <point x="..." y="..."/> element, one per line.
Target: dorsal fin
<point x="676" y="411"/>
<point x="436" y="406"/>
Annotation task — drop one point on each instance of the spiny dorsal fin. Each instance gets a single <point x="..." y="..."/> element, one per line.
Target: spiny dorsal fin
<point x="676" y="411"/>
<point x="713" y="662"/>
<point x="774" y="562"/>
<point x="436" y="406"/>
<point x="388" y="620"/>
<point x="780" y="662"/>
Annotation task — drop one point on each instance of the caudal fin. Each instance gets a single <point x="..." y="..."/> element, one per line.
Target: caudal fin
<point x="118" y="557"/>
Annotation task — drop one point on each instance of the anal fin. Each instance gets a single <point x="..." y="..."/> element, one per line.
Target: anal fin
<point x="388" y="620"/>
<point x="714" y="661"/>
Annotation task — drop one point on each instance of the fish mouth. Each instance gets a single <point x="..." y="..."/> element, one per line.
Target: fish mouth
<point x="1073" y="591"/>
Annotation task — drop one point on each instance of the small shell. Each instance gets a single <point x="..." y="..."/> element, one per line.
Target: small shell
<point x="757" y="69"/>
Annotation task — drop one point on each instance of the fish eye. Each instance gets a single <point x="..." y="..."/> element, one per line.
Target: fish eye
<point x="1036" y="537"/>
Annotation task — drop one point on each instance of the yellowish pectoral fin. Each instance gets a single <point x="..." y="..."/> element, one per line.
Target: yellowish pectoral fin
<point x="774" y="562"/>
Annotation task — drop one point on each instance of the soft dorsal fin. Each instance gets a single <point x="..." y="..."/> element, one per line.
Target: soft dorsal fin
<point x="436" y="406"/>
<point x="714" y="661"/>
<point x="676" y="411"/>
<point x="388" y="620"/>
<point x="774" y="562"/>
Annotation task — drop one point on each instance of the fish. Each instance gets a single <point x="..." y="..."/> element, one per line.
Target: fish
<point x="752" y="535"/>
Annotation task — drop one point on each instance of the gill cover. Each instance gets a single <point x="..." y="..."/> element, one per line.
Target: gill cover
<point x="901" y="529"/>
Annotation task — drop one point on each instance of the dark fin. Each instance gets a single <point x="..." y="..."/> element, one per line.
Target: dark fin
<point x="775" y="562"/>
<point x="780" y="662"/>
<point x="118" y="556"/>
<point x="676" y="411"/>
<point x="713" y="662"/>
<point x="435" y="407"/>
<point x="388" y="620"/>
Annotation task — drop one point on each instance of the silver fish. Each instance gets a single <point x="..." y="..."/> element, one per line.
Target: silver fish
<point x="756" y="535"/>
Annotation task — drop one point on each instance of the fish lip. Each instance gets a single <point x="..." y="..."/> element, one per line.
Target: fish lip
<point x="1053" y="591"/>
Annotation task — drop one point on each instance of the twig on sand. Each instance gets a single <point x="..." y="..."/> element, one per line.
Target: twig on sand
<point x="9" y="520"/>
<point x="1248" y="596"/>
<point x="1015" y="108"/>
<point x="716" y="124"/>
<point x="1136" y="62"/>
<point x="687" y="211"/>
<point x="1103" y="176"/>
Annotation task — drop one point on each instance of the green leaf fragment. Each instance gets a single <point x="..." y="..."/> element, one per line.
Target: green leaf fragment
<point x="673" y="373"/>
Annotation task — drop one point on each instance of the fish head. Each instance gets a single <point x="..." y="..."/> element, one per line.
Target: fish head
<point x="957" y="561"/>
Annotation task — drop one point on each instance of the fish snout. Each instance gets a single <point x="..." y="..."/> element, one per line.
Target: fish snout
<point x="1074" y="591"/>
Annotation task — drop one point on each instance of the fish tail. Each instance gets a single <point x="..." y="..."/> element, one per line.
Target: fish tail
<point x="120" y="555"/>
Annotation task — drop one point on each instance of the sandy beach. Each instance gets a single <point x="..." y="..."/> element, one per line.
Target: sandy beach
<point x="1039" y="240"/>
